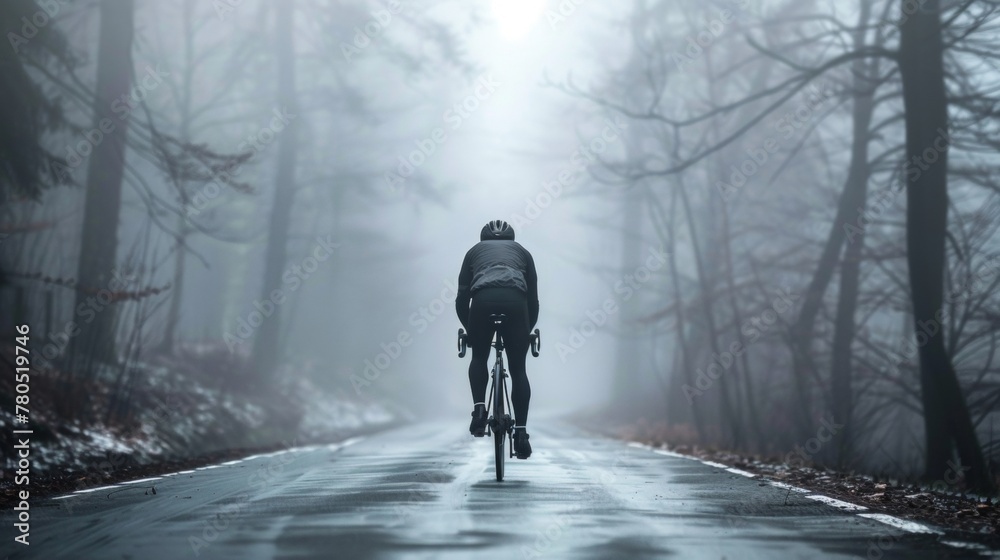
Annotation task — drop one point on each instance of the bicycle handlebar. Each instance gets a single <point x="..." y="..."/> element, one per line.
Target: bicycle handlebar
<point x="463" y="342"/>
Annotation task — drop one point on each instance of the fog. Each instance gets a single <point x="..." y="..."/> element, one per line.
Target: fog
<point x="721" y="200"/>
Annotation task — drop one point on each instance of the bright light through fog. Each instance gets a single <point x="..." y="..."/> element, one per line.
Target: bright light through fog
<point x="516" y="17"/>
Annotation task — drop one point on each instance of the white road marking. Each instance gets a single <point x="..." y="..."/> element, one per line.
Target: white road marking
<point x="142" y="480"/>
<point x="788" y="487"/>
<point x="88" y="490"/>
<point x="836" y="503"/>
<point x="671" y="454"/>
<point x="904" y="524"/>
<point x="681" y="456"/>
<point x="966" y="545"/>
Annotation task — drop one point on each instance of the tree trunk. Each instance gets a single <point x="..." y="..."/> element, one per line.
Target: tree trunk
<point x="802" y="333"/>
<point x="183" y="230"/>
<point x="732" y="429"/>
<point x="629" y="389"/>
<point x="266" y="344"/>
<point x="855" y="196"/>
<point x="723" y="243"/>
<point x="686" y="363"/>
<point x="743" y="366"/>
<point x="99" y="241"/>
<point x="946" y="415"/>
<point x="176" y="291"/>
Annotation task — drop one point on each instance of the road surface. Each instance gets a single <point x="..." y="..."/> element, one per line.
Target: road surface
<point x="428" y="491"/>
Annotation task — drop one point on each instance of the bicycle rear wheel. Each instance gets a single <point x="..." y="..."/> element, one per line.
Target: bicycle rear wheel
<point x="500" y="431"/>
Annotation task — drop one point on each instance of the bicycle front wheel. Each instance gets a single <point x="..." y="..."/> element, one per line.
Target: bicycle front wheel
<point x="498" y="439"/>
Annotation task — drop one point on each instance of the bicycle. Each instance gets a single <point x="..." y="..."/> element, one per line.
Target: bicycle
<point x="500" y="423"/>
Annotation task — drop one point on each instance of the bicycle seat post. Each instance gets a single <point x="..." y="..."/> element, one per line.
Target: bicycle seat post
<point x="498" y="321"/>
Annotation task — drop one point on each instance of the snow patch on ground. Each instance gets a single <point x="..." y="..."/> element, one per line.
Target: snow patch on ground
<point x="185" y="405"/>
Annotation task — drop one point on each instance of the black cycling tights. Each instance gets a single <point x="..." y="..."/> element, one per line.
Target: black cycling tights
<point x="514" y="304"/>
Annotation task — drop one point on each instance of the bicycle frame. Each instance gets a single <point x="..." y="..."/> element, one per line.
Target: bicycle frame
<point x="500" y="404"/>
<point x="500" y="423"/>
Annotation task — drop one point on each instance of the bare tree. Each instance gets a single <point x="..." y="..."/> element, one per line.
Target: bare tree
<point x="99" y="240"/>
<point x="266" y="343"/>
<point x="864" y="82"/>
<point x="946" y="415"/>
<point x="699" y="143"/>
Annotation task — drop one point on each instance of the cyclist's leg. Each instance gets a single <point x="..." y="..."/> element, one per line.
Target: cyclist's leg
<point x="520" y="391"/>
<point x="516" y="340"/>
<point x="480" y="336"/>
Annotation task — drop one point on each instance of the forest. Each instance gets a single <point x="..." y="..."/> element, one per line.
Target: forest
<point x="762" y="226"/>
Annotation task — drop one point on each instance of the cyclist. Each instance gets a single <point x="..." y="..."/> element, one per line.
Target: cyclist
<point x="498" y="275"/>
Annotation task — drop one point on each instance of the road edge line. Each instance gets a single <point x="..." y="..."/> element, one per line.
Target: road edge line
<point x="899" y="523"/>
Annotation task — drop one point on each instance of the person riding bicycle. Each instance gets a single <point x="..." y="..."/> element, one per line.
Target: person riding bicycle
<point x="498" y="275"/>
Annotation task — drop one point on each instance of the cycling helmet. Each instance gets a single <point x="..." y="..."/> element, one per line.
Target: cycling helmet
<point x="497" y="229"/>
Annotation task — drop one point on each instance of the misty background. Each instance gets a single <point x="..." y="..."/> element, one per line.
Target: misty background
<point x="715" y="195"/>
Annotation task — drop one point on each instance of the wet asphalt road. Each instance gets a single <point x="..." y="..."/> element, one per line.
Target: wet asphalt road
<point x="428" y="491"/>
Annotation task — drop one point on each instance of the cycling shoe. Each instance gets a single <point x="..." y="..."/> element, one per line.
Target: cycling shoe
<point x="478" y="426"/>
<point x="522" y="449"/>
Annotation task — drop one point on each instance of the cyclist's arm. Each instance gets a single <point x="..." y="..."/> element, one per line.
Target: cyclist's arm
<point x="464" y="293"/>
<point x="532" y="279"/>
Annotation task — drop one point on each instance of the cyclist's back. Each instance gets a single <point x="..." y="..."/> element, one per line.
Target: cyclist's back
<point x="498" y="276"/>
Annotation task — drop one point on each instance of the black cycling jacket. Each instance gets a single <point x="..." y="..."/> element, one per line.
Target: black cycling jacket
<point x="497" y="263"/>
